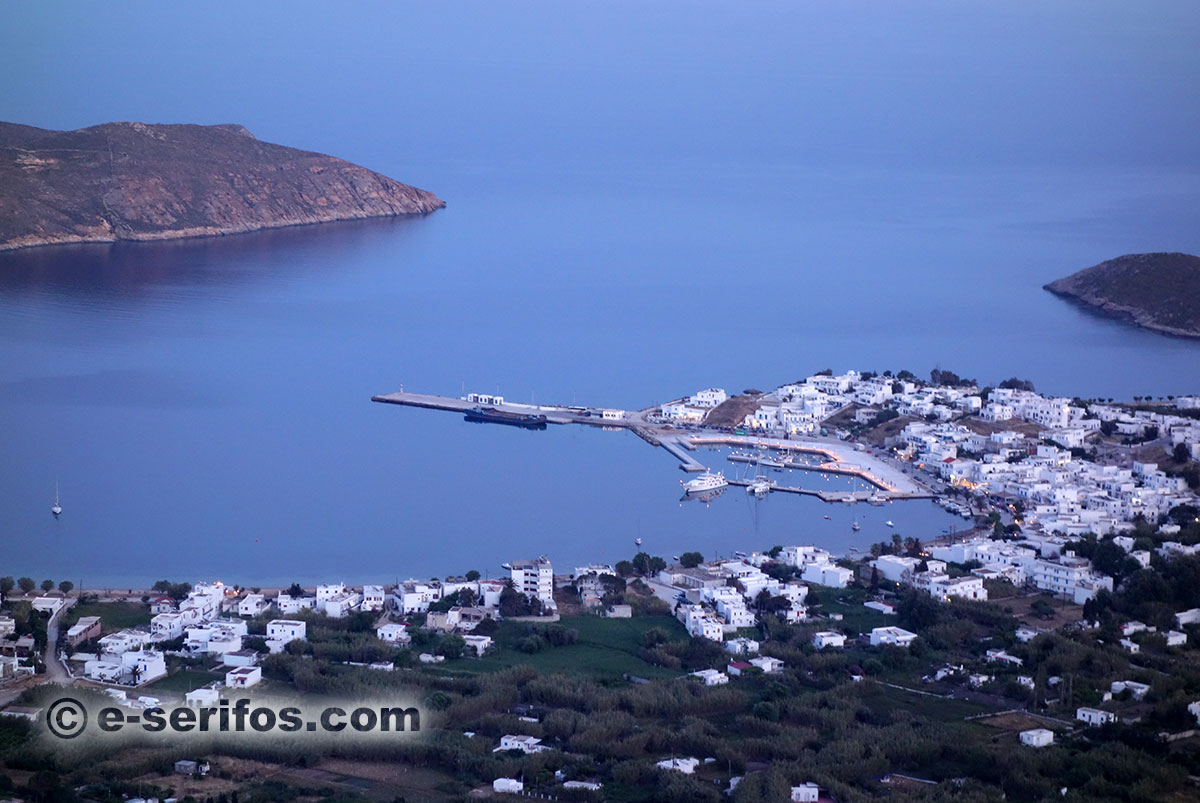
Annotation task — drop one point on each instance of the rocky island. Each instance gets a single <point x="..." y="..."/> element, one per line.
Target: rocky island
<point x="1158" y="291"/>
<point x="132" y="181"/>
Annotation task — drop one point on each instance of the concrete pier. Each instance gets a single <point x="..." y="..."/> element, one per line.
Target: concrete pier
<point x="889" y="482"/>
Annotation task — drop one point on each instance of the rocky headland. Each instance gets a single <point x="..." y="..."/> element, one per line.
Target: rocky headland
<point x="133" y="181"/>
<point x="1159" y="291"/>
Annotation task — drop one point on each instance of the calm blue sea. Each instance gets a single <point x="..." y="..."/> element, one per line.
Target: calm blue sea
<point x="645" y="198"/>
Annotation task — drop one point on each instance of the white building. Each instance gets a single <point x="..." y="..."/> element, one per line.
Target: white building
<point x="742" y="646"/>
<point x="827" y="574"/>
<point x="206" y="697"/>
<point x="806" y="793"/>
<point x="1094" y="716"/>
<point x="526" y="744"/>
<point x="290" y="606"/>
<point x="700" y="623"/>
<point x="711" y="677"/>
<point x="132" y="668"/>
<point x="373" y="598"/>
<point x="413" y="596"/>
<point x="711" y="397"/>
<point x="1038" y="737"/>
<point x="253" y="605"/>
<point x="478" y="644"/>
<point x="340" y="605"/>
<point x="535" y="579"/>
<point x="285" y="630"/>
<point x="393" y="634"/>
<point x="243" y="677"/>
<point x="685" y="765"/>
<point x="829" y="638"/>
<point x="166" y="626"/>
<point x="892" y="635"/>
<point x="507" y="786"/>
<point x="767" y="664"/>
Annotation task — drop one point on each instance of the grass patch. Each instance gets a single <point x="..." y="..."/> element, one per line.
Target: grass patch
<point x="184" y="680"/>
<point x="606" y="649"/>
<point x="113" y="615"/>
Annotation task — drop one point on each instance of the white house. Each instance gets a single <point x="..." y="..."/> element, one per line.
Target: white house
<point x="1038" y="737"/>
<point x="133" y="667"/>
<point x="507" y="786"/>
<point x="1094" y="716"/>
<point x="886" y="608"/>
<point x="741" y="646"/>
<point x="767" y="664"/>
<point x="125" y="641"/>
<point x="711" y="677"/>
<point x="253" y="605"/>
<point x="240" y="658"/>
<point x="892" y="635"/>
<point x="479" y="644"/>
<point x="206" y="697"/>
<point x="290" y="606"/>
<point x="286" y="630"/>
<point x="806" y="793"/>
<point x="166" y="626"/>
<point x="711" y="397"/>
<point x="393" y="634"/>
<point x="51" y="605"/>
<point x="243" y="677"/>
<point x="1137" y="690"/>
<point x="373" y="598"/>
<point x="685" y="765"/>
<point x="827" y="574"/>
<point x="526" y="744"/>
<point x="340" y="605"/>
<point x="829" y="638"/>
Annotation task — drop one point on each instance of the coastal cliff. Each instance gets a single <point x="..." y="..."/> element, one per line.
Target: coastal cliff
<point x="1157" y="291"/>
<point x="132" y="181"/>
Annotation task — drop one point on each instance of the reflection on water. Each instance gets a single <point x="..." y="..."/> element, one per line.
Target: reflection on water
<point x="133" y="270"/>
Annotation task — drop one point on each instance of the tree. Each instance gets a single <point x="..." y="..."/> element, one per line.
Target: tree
<point x="472" y="576"/>
<point x="65" y="586"/>
<point x="27" y="584"/>
<point x="47" y="585"/>
<point x="452" y="646"/>
<point x="6" y="585"/>
<point x="690" y="560"/>
<point x="1181" y="453"/>
<point x="624" y="568"/>
<point x="1042" y="609"/>
<point x="919" y="610"/>
<point x="295" y="590"/>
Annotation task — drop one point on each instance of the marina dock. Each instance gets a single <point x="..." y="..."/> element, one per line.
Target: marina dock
<point x="889" y="483"/>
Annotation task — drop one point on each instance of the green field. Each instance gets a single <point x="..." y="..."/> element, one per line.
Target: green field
<point x="184" y="680"/>
<point x="113" y="615"/>
<point x="605" y="649"/>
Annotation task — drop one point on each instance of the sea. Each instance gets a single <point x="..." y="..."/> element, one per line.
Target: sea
<point x="643" y="199"/>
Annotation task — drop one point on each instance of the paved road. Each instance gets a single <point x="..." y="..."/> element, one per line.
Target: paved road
<point x="55" y="671"/>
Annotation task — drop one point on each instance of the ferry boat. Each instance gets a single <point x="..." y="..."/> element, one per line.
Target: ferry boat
<point x="708" y="481"/>
<point x="490" y="415"/>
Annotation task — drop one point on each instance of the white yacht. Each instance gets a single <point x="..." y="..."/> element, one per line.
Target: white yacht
<point x="708" y="481"/>
<point x="889" y="523"/>
<point x="57" y="509"/>
<point x="760" y="487"/>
